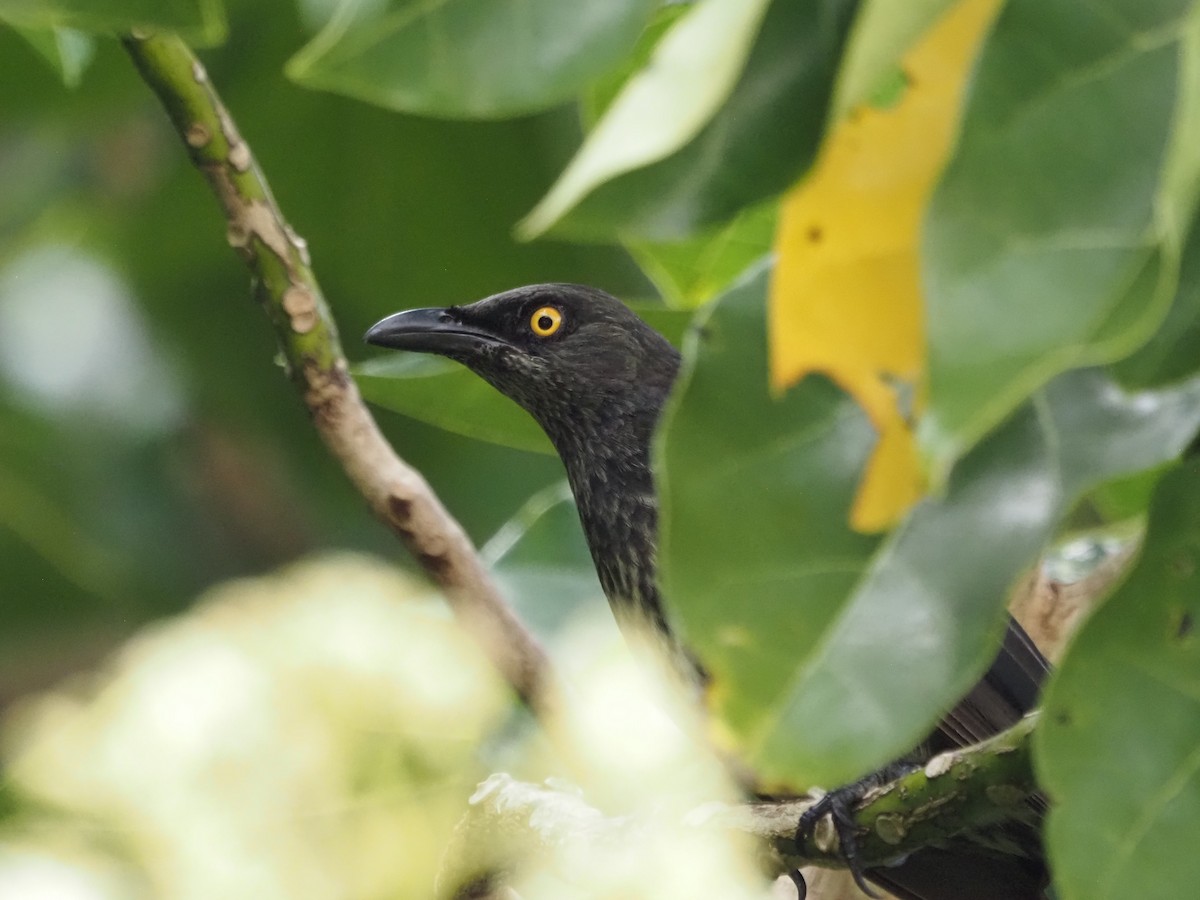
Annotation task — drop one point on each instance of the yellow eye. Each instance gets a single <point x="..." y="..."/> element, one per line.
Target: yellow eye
<point x="545" y="321"/>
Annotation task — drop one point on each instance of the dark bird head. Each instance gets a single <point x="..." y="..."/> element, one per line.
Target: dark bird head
<point x="595" y="377"/>
<point x="573" y="356"/>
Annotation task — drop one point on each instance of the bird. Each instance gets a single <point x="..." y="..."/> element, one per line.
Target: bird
<point x="596" y="378"/>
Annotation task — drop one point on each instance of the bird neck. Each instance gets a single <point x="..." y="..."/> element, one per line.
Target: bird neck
<point x="606" y="452"/>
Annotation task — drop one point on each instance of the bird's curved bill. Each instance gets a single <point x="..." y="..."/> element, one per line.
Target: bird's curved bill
<point x="432" y="330"/>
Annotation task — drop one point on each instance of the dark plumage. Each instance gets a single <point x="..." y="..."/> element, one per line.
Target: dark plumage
<point x="596" y="377"/>
<point x="596" y="385"/>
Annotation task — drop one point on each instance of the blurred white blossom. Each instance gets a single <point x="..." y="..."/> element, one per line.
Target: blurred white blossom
<point x="73" y="342"/>
<point x="308" y="735"/>
<point x="317" y="734"/>
<point x="629" y="740"/>
<point x="29" y="872"/>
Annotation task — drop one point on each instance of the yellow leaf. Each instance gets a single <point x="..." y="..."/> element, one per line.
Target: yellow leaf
<point x="845" y="297"/>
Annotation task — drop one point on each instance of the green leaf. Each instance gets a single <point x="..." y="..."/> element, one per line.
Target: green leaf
<point x="67" y="50"/>
<point x="10" y="804"/>
<point x="729" y="111"/>
<point x="883" y="30"/>
<point x="832" y="652"/>
<point x="541" y="559"/>
<point x="469" y="58"/>
<point x="200" y="21"/>
<point x="1174" y="351"/>
<point x="755" y="492"/>
<point x="1053" y="240"/>
<point x="1124" y="500"/>
<point x="443" y="393"/>
<point x="601" y="93"/>
<point x="690" y="74"/>
<point x="1117" y="748"/>
<point x="691" y="272"/>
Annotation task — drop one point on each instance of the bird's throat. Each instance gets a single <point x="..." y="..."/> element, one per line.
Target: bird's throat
<point x="608" y="466"/>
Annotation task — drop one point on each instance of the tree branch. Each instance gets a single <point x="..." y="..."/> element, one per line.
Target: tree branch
<point x="961" y="791"/>
<point x="287" y="289"/>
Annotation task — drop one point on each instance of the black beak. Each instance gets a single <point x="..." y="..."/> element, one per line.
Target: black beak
<point x="428" y="331"/>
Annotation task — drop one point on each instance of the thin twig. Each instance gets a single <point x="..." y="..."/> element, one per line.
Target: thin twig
<point x="287" y="289"/>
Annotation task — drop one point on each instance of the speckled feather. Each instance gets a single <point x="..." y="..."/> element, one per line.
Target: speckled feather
<point x="597" y="388"/>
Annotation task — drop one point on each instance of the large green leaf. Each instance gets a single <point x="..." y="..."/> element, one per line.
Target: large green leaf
<point x="1053" y="239"/>
<point x="755" y="495"/>
<point x="691" y="271"/>
<point x="691" y="72"/>
<point x="201" y="21"/>
<point x="714" y="123"/>
<point x="445" y="394"/>
<point x="1119" y="748"/>
<point x="469" y="58"/>
<point x="600" y="94"/>
<point x="831" y="652"/>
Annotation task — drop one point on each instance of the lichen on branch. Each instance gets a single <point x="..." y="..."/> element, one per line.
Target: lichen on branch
<point x="960" y="792"/>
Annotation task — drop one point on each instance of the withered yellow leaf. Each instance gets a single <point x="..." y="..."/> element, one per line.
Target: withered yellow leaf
<point x="845" y="298"/>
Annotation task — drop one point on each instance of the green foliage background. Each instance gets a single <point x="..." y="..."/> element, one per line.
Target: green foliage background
<point x="399" y="211"/>
<point x="149" y="449"/>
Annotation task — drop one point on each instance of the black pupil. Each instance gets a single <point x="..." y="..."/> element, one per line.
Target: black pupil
<point x="545" y="323"/>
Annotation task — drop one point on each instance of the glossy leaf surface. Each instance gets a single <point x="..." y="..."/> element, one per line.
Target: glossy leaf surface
<point x="799" y="620"/>
<point x="742" y="145"/>
<point x="690" y="73"/>
<point x="469" y="58"/>
<point x="445" y="394"/>
<point x="1118" y="745"/>
<point x="1038" y="259"/>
